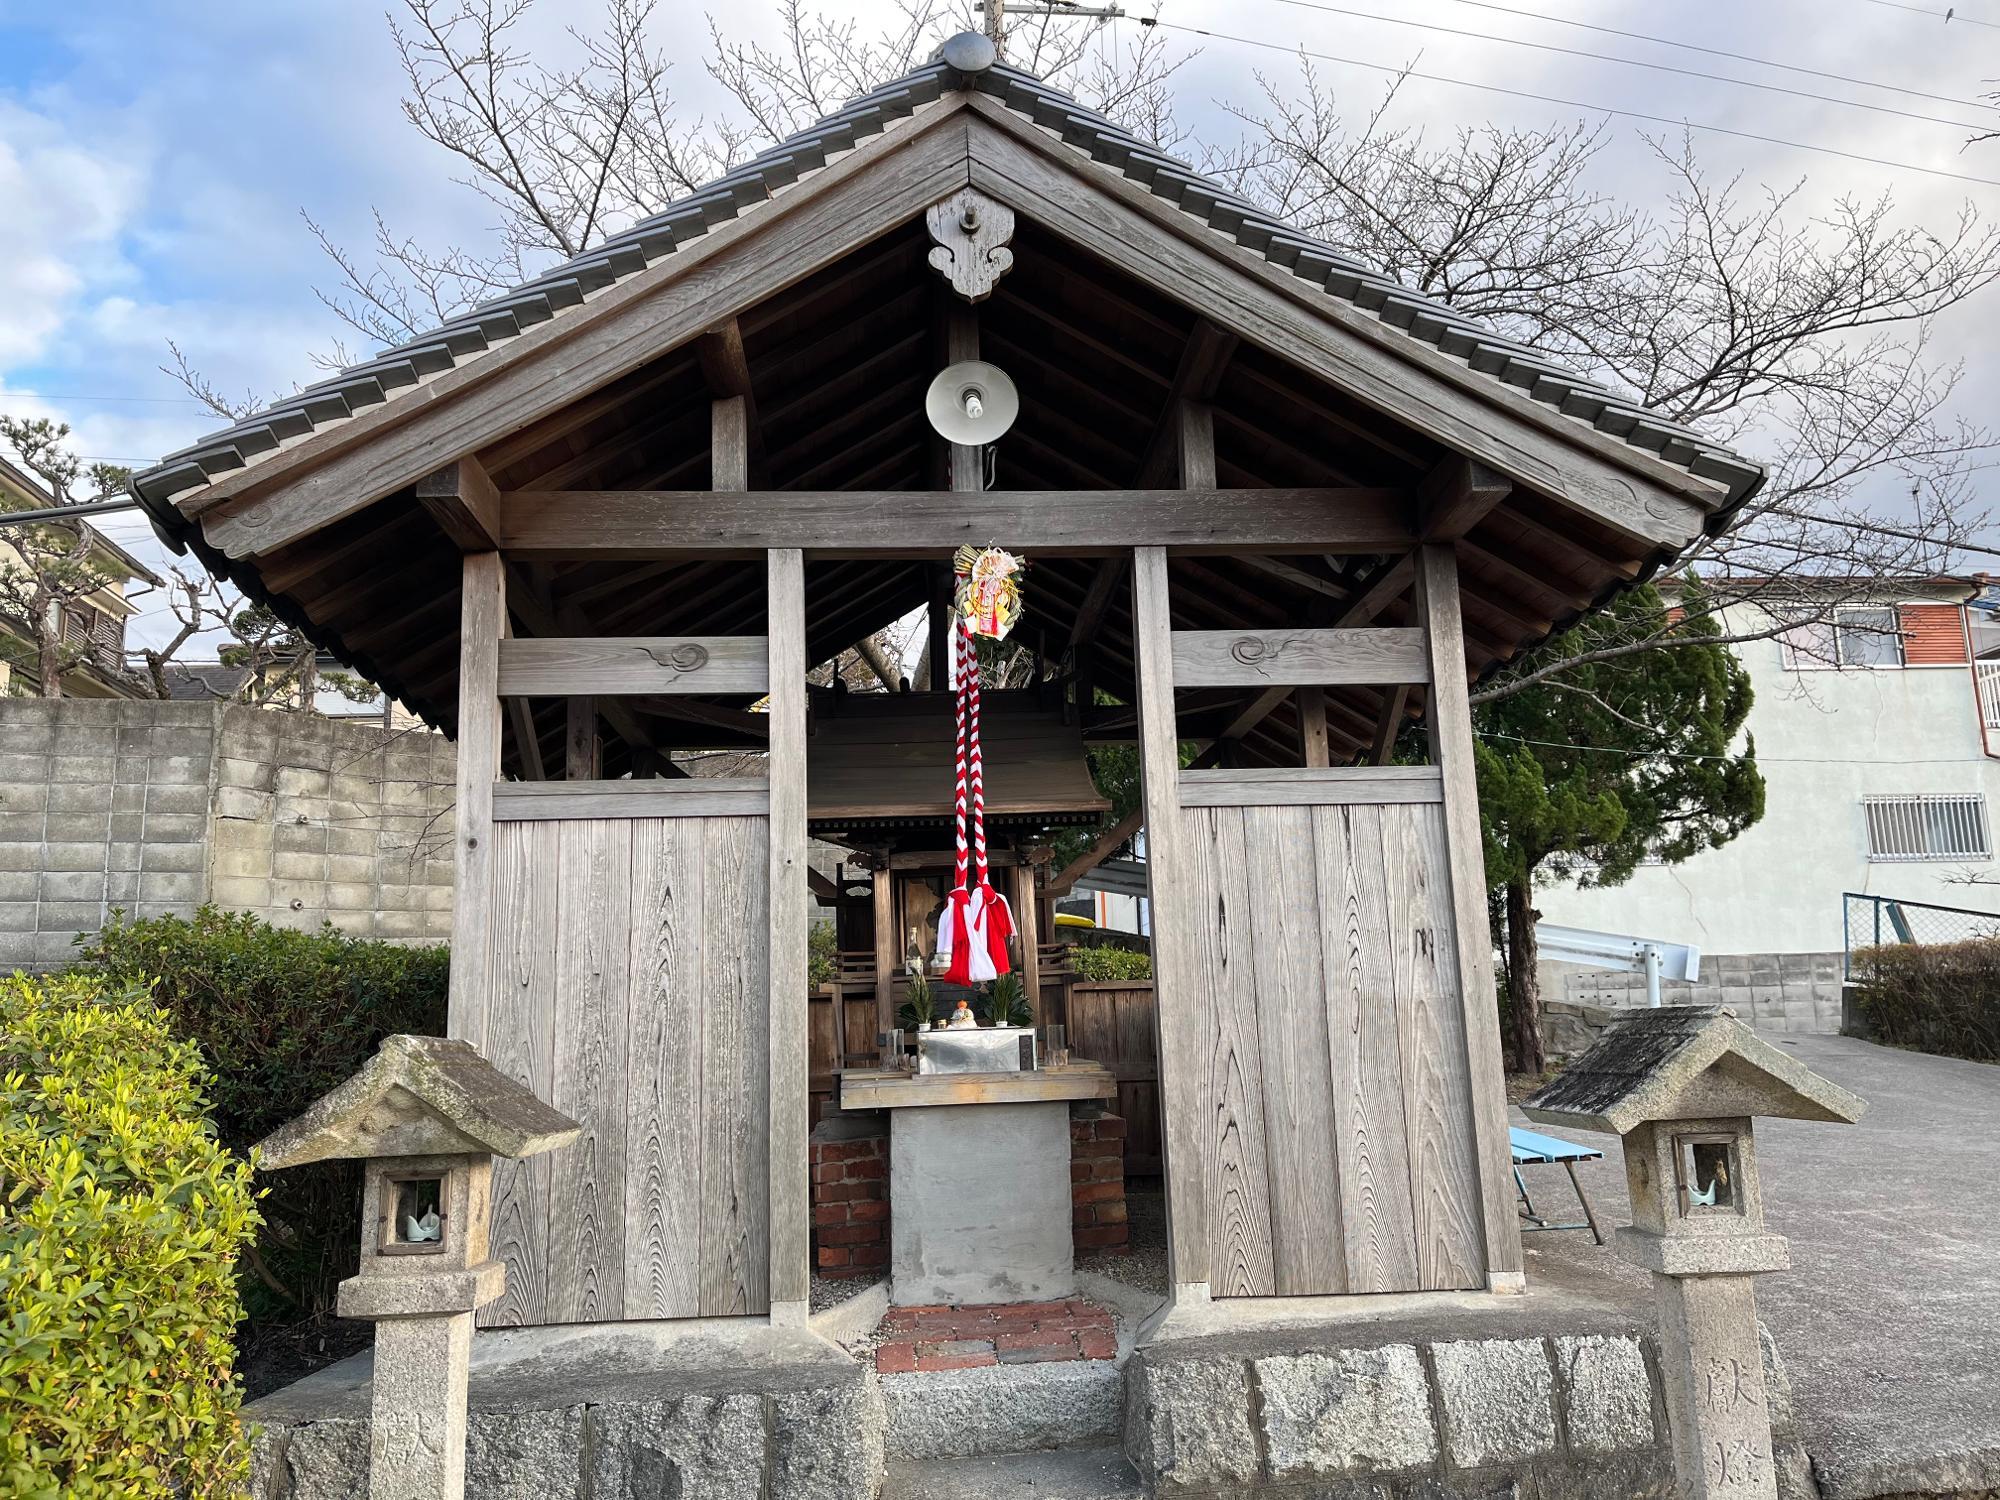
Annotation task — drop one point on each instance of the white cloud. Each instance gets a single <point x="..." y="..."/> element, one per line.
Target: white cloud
<point x="66" y="207"/>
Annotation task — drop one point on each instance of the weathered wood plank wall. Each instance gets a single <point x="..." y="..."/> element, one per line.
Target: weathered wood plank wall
<point x="629" y="985"/>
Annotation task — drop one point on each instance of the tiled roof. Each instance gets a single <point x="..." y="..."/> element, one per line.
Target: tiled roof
<point x="491" y="325"/>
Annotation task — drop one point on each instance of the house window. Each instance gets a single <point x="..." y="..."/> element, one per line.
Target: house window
<point x="1927" y="827"/>
<point x="1857" y="635"/>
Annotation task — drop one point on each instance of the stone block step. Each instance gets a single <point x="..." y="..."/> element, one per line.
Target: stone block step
<point x="1065" y="1474"/>
<point x="1002" y="1409"/>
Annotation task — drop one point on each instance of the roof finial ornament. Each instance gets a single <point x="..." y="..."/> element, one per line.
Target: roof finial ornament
<point x="972" y="231"/>
<point x="969" y="52"/>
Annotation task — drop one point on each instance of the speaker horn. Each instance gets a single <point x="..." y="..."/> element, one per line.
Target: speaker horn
<point x="972" y="403"/>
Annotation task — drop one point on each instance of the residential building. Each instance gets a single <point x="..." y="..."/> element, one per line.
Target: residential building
<point x="95" y="624"/>
<point x="1878" y="735"/>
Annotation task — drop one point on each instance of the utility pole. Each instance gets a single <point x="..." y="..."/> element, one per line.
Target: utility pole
<point x="996" y="25"/>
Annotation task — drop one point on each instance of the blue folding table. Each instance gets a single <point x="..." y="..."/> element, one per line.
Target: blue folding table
<point x="1532" y="1149"/>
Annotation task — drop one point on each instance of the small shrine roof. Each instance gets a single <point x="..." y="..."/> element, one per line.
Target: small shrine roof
<point x="420" y="1096"/>
<point x="1682" y="1062"/>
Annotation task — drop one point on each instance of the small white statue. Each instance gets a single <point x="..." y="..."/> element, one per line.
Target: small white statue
<point x="420" y="1231"/>
<point x="962" y="1016"/>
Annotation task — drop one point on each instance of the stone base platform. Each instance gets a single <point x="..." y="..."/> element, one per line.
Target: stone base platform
<point x="717" y="1408"/>
<point x="1556" y="1393"/>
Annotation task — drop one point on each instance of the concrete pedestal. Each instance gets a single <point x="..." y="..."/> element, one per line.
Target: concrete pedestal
<point x="980" y="1204"/>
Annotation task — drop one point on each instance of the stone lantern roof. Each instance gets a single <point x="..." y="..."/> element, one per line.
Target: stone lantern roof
<point x="420" y="1096"/>
<point x="1685" y="1062"/>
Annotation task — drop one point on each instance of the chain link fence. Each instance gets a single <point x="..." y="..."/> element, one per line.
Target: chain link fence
<point x="1872" y="921"/>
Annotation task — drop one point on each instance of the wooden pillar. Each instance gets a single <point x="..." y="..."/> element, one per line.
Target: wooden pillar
<point x="968" y="462"/>
<point x="1178" y="994"/>
<point x="1449" y="724"/>
<point x="482" y="618"/>
<point x="1027" y="922"/>
<point x="1312" y="727"/>
<point x="888" y="949"/>
<point x="785" y="630"/>
<point x="582" y="750"/>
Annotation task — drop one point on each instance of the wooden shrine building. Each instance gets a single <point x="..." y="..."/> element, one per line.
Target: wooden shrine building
<point x="1275" y="507"/>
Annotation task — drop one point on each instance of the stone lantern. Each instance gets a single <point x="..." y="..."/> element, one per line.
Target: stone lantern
<point x="427" y="1116"/>
<point x="1680" y="1085"/>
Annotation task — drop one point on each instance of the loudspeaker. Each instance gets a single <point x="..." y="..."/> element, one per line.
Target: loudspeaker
<point x="972" y="403"/>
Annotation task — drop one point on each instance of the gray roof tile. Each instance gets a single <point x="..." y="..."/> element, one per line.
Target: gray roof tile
<point x="1229" y="213"/>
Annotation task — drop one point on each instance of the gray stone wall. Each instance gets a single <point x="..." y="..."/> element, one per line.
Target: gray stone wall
<point x="155" y="808"/>
<point x="1774" y="992"/>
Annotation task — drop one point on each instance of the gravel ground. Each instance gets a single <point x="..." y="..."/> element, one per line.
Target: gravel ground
<point x="1144" y="1265"/>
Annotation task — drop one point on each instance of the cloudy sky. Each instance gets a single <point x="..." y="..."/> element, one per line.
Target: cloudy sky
<point x="157" y="156"/>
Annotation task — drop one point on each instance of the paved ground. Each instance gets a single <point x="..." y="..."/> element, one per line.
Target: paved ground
<point x="1889" y="1321"/>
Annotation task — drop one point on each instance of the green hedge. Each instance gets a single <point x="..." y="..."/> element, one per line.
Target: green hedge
<point x="1110" y="965"/>
<point x="281" y="1017"/>
<point x="120" y="1225"/>
<point x="1935" y="997"/>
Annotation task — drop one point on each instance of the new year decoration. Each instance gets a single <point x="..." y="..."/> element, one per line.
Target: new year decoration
<point x="976" y="924"/>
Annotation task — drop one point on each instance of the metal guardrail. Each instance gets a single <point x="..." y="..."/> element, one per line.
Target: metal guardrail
<point x="1871" y="921"/>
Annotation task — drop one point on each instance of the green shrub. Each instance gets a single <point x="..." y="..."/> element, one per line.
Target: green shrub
<point x="120" y="1220"/>
<point x="1004" y="1001"/>
<point x="281" y="1017"/>
<point x="1935" y="997"/>
<point x="822" y="952"/>
<point x="1110" y="965"/>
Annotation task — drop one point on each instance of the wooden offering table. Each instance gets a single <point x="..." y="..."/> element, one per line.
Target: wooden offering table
<point x="979" y="1192"/>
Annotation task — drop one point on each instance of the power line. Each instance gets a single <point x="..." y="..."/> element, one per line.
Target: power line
<point x="1602" y="109"/>
<point x="1628" y="62"/>
<point x="1943" y="15"/>
<point x="1762" y="62"/>
<point x="6" y="392"/>
<point x="1762" y="760"/>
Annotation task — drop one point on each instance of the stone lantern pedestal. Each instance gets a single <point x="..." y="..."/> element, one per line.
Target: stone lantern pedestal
<point x="427" y="1116"/>
<point x="1680" y="1086"/>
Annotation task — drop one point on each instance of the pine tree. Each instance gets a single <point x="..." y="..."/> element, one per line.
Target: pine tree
<point x="1588" y="773"/>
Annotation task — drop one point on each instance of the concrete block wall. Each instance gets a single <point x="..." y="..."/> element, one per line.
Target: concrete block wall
<point x="154" y="808"/>
<point x="1776" y="992"/>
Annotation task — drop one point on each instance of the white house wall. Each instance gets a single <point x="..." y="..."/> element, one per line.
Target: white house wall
<point x="1825" y="739"/>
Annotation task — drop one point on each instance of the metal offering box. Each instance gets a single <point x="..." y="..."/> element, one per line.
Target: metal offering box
<point x="984" y="1049"/>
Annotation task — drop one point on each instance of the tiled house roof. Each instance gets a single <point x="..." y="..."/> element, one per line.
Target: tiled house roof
<point x="491" y="325"/>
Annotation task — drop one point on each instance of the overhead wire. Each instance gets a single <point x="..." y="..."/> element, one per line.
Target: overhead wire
<point x="1628" y="62"/>
<point x="1600" y="109"/>
<point x="1943" y="15"/>
<point x="1762" y="62"/>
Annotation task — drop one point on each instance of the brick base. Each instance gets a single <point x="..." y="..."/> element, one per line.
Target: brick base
<point x="1097" y="1180"/>
<point x="850" y="1196"/>
<point x="1012" y="1333"/>
<point x="850" y="1189"/>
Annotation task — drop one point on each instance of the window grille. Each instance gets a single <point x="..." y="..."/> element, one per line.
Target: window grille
<point x="1927" y="826"/>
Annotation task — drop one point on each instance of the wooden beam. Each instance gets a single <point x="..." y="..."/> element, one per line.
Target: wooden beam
<point x="483" y="609"/>
<point x="1090" y="614"/>
<point x="560" y="667"/>
<point x="521" y="720"/>
<point x="1203" y="359"/>
<point x="348" y="465"/>
<point x="1455" y="497"/>
<point x="729" y="445"/>
<point x="1288" y="786"/>
<point x="966" y="463"/>
<point x="1101" y="848"/>
<point x="664" y="797"/>
<point x="592" y="525"/>
<point x="1297" y="658"/>
<point x="1195" y="436"/>
<point x="1027" y="924"/>
<point x="1635" y="493"/>
<point x="528" y="601"/>
<point x="1395" y="707"/>
<point x="583" y="752"/>
<point x="790" y="1122"/>
<point x="1450" y="727"/>
<point x="462" y="499"/>
<point x="1182" y="1004"/>
<point x="1313" y="748"/>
